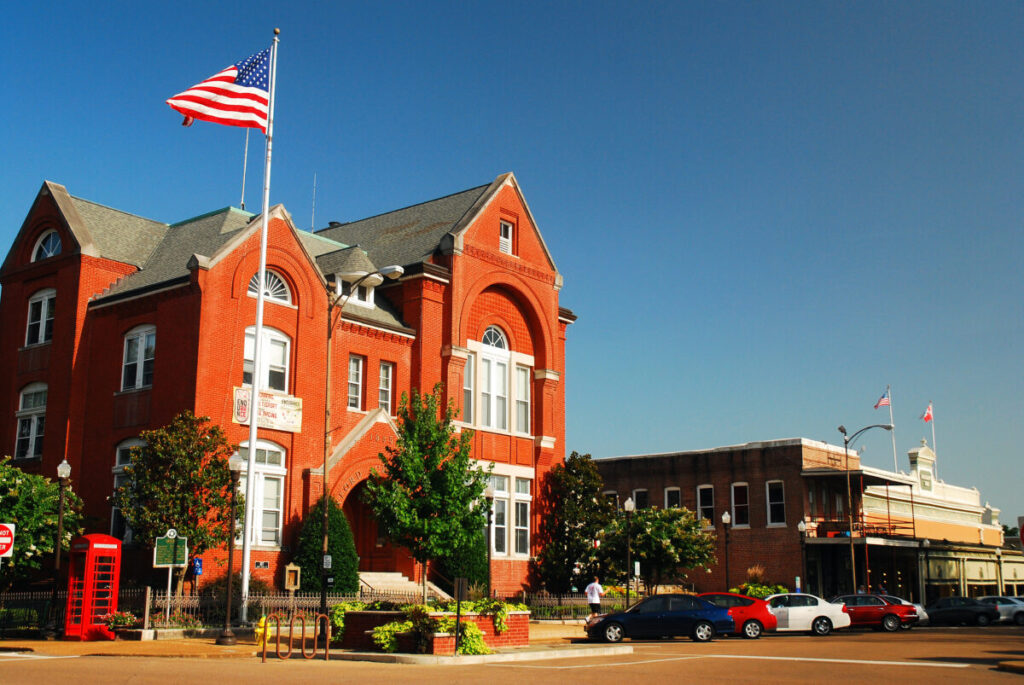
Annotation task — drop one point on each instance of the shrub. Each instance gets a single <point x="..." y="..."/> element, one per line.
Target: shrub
<point x="340" y="545"/>
<point x="338" y="617"/>
<point x="386" y="636"/>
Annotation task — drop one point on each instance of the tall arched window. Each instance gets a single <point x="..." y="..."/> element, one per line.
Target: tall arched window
<point x="40" y="317"/>
<point x="274" y="288"/>
<point x="494" y="379"/>
<point x="269" y="471"/>
<point x="31" y="417"/>
<point x="139" y="354"/>
<point x="47" y="246"/>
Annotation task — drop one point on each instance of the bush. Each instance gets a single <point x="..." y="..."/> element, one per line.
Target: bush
<point x="338" y="617"/>
<point x="759" y="590"/>
<point x="340" y="545"/>
<point x="469" y="562"/>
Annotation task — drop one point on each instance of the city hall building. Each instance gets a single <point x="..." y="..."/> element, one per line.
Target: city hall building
<point x="111" y="324"/>
<point x="911" y="533"/>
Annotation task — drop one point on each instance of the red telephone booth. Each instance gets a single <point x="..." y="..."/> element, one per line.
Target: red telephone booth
<point x="94" y="572"/>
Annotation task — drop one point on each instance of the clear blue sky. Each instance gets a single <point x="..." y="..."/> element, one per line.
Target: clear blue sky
<point x="764" y="212"/>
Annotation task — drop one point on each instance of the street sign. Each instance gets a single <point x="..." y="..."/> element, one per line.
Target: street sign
<point x="170" y="551"/>
<point x="327" y="561"/>
<point x="6" y="539"/>
<point x="197" y="566"/>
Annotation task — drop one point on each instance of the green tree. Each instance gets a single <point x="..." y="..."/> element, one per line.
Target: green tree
<point x="468" y="562"/>
<point x="428" y="495"/>
<point x="31" y="503"/>
<point x="340" y="545"/>
<point x="576" y="512"/>
<point x="180" y="479"/>
<point x="666" y="542"/>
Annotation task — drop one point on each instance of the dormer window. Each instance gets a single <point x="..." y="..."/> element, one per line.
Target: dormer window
<point x="275" y="289"/>
<point x="362" y="294"/>
<point x="47" y="246"/>
<point x="505" y="237"/>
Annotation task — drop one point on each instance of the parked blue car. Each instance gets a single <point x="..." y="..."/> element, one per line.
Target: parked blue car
<point x="663" y="616"/>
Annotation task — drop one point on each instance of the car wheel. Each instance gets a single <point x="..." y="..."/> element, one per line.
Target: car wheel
<point x="982" y="620"/>
<point x="752" y="629"/>
<point x="906" y="626"/>
<point x="821" y="626"/>
<point x="703" y="632"/>
<point x="613" y="632"/>
<point x="1018" y="618"/>
<point x="890" y="623"/>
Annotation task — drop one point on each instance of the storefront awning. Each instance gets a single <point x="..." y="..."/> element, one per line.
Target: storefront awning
<point x="870" y="475"/>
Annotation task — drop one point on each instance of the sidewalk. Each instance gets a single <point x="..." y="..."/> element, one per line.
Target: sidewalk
<point x="544" y="636"/>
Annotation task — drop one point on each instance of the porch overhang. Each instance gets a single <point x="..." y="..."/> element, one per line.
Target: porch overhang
<point x="870" y="475"/>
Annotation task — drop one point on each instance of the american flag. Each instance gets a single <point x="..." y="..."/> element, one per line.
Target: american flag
<point x="236" y="96"/>
<point x="927" y="415"/>
<point x="883" y="401"/>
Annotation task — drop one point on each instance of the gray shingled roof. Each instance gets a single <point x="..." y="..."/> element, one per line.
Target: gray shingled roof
<point x="406" y="236"/>
<point x="202" y="235"/>
<point x="119" y="235"/>
<point x="351" y="260"/>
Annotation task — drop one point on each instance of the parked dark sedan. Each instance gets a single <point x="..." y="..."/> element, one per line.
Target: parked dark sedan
<point x="957" y="610"/>
<point x="663" y="616"/>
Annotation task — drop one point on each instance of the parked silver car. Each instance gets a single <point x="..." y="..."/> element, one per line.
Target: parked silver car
<point x="1010" y="608"/>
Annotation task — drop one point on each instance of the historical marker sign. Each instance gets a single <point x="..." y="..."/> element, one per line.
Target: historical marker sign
<point x="170" y="551"/>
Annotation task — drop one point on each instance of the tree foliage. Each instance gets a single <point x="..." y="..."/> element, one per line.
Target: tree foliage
<point x="428" y="494"/>
<point x="666" y="542"/>
<point x="340" y="545"/>
<point x="31" y="503"/>
<point x="576" y="512"/>
<point x="180" y="479"/>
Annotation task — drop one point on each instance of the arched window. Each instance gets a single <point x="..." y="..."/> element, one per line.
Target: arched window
<point x="274" y="359"/>
<point x="274" y="288"/>
<point x="47" y="246"/>
<point x="31" y="417"/>
<point x="493" y="337"/>
<point x="40" y="317"/>
<point x="139" y="353"/>
<point x="504" y="381"/>
<point x="269" y="471"/>
<point x="494" y="379"/>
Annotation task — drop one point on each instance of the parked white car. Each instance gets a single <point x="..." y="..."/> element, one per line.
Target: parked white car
<point x="800" y="611"/>
<point x="1010" y="608"/>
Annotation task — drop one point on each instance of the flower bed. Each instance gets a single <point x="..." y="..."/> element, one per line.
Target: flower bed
<point x="359" y="627"/>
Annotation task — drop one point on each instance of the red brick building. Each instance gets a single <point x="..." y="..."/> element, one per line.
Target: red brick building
<point x="112" y="324"/>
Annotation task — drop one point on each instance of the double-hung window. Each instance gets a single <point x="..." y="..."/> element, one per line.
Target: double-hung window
<point x="40" y="317"/>
<point x="139" y="352"/>
<point x="494" y="380"/>
<point x="119" y="528"/>
<point x="499" y="515"/>
<point x="384" y="391"/>
<point x="776" y="497"/>
<point x="740" y="504"/>
<point x="355" y="382"/>
<point x="706" y="502"/>
<point x="31" y="417"/>
<point x="672" y="498"/>
<point x="268" y="491"/>
<point x="274" y="358"/>
<point x="641" y="499"/>
<point x="522" y="504"/>
<point x="522" y="399"/>
<point x="468" y="389"/>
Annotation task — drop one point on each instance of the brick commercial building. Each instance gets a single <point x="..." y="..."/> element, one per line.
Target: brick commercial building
<point x="112" y="324"/>
<point x="910" y="532"/>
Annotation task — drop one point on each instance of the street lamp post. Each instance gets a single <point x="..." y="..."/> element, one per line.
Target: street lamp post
<point x="802" y="528"/>
<point x="336" y="301"/>
<point x="927" y="571"/>
<point x="63" y="474"/>
<point x="235" y="463"/>
<point x="489" y="494"/>
<point x="847" y="439"/>
<point x="726" y="520"/>
<point x="629" y="506"/>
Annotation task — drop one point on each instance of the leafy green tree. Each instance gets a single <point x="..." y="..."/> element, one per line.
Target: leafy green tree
<point x="180" y="479"/>
<point x="340" y="545"/>
<point x="468" y="562"/>
<point x="576" y="512"/>
<point x="428" y="495"/>
<point x="31" y="503"/>
<point x="666" y="542"/>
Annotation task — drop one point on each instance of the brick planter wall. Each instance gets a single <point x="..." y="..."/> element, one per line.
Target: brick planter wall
<point x="358" y="625"/>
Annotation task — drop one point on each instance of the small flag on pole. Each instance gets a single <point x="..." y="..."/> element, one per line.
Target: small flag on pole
<point x="927" y="415"/>
<point x="236" y="96"/>
<point x="883" y="401"/>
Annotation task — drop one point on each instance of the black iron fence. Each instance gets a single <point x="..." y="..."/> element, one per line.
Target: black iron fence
<point x="544" y="605"/>
<point x="34" y="612"/>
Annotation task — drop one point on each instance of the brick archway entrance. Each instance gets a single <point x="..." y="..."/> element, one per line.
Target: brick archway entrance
<point x="375" y="552"/>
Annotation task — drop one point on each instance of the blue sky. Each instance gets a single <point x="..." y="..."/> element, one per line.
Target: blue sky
<point x="764" y="212"/>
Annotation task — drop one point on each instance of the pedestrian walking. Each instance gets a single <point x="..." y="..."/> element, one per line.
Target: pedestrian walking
<point x="594" y="594"/>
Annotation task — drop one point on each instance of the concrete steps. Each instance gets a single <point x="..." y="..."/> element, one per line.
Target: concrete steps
<point x="394" y="583"/>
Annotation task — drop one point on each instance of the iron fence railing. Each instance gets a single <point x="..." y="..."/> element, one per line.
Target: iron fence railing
<point x="544" y="605"/>
<point x="28" y="612"/>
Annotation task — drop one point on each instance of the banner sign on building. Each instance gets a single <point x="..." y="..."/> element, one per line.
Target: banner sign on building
<point x="277" y="412"/>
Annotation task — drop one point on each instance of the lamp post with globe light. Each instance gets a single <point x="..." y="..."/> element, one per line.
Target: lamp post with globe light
<point x="63" y="474"/>
<point x="235" y="463"/>
<point x="726" y="521"/>
<point x="629" y="506"/>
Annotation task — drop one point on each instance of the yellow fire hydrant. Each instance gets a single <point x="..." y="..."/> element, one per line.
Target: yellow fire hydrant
<point x="261" y="631"/>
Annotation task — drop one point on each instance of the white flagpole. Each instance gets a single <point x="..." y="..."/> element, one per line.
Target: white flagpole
<point x="245" y="164"/>
<point x="895" y="462"/>
<point x="247" y="528"/>
<point x="935" y="448"/>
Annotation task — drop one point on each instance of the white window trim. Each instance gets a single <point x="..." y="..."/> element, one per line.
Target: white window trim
<point x="476" y="352"/>
<point x="39" y="243"/>
<point x="368" y="300"/>
<point x="469" y="391"/>
<point x="732" y="503"/>
<point x="260" y="473"/>
<point x="48" y="297"/>
<point x="139" y="333"/>
<point x="711" y="487"/>
<point x="269" y="335"/>
<point x="506" y="245"/>
<point x="511" y="473"/>
<point x="668" y="490"/>
<point x="33" y="414"/>
<point x="118" y="472"/>
<point x="612" y="493"/>
<point x="270" y="275"/>
<point x="517" y="499"/>
<point x="768" y="504"/>
<point x="518" y="371"/>
<point x="389" y="388"/>
<point x="359" y="384"/>
<point x="636" y="501"/>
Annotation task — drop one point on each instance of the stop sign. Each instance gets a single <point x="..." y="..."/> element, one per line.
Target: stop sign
<point x="6" y="539"/>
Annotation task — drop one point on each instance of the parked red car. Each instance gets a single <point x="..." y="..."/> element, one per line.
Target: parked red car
<point x="874" y="611"/>
<point x="750" y="615"/>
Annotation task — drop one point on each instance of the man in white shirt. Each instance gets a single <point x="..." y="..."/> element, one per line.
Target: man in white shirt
<point x="594" y="593"/>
